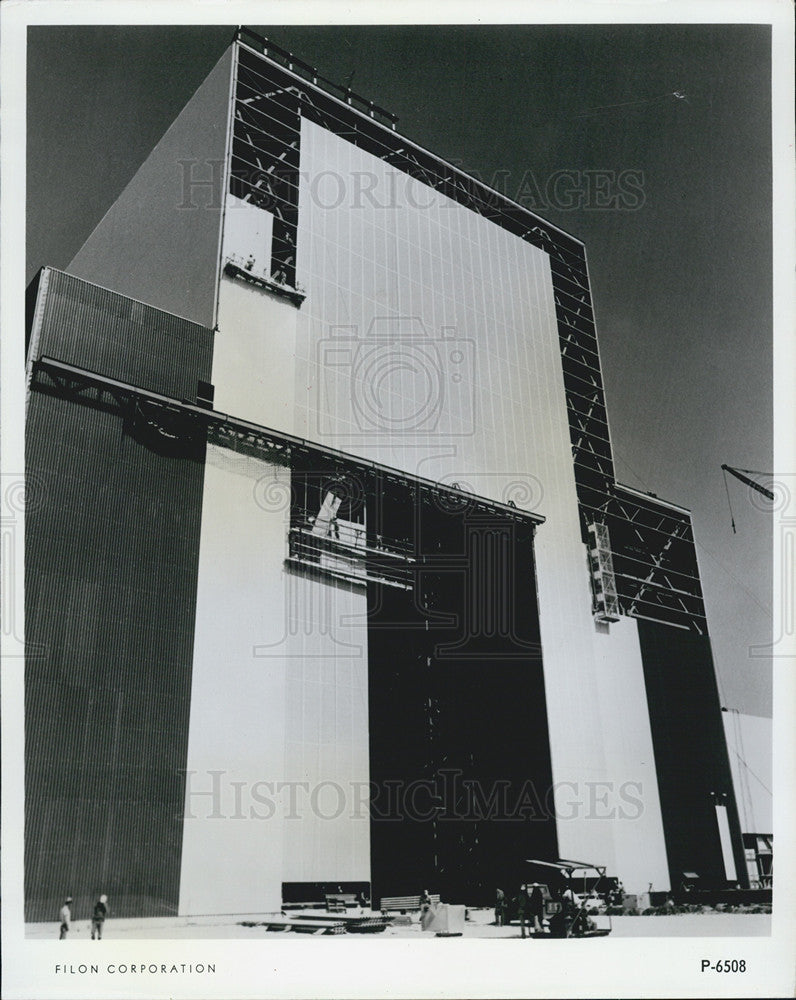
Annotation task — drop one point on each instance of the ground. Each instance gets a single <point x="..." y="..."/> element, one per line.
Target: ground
<point x="479" y="926"/>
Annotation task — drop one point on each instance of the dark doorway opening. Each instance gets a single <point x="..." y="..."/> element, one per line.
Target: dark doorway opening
<point x="460" y="754"/>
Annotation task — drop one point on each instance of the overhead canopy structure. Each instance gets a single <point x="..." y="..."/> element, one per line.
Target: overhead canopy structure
<point x="568" y="866"/>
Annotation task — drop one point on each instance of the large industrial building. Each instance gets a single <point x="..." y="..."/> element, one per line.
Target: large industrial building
<point x="333" y="579"/>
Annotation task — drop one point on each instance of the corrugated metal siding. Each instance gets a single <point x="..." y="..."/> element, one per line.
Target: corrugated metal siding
<point x="111" y="571"/>
<point x="94" y="328"/>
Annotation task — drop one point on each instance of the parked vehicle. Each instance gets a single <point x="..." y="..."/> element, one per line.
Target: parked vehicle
<point x="571" y="913"/>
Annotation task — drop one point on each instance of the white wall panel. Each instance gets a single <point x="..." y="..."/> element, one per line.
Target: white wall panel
<point x="279" y="696"/>
<point x="632" y="793"/>
<point x="466" y="385"/>
<point x="253" y="359"/>
<point x="428" y="341"/>
<point x="327" y="836"/>
<point x="232" y="863"/>
<point x="749" y="744"/>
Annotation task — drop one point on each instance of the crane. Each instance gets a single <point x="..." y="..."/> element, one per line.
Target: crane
<point x="740" y="474"/>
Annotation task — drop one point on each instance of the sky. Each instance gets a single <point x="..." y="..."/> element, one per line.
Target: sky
<point x="659" y="136"/>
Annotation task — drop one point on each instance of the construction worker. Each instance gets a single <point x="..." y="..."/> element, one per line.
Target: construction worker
<point x="66" y="918"/>
<point x="500" y="907"/>
<point x="524" y="910"/>
<point x="98" y="917"/>
<point x="536" y="906"/>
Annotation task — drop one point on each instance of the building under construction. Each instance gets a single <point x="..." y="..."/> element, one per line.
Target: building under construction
<point x="332" y="583"/>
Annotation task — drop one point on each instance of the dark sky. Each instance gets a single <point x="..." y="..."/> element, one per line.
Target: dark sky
<point x="680" y="273"/>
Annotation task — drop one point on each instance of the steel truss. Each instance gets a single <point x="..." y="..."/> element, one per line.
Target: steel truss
<point x="652" y="543"/>
<point x="264" y="167"/>
<point x="183" y="420"/>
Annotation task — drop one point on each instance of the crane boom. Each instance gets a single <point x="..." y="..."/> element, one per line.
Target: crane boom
<point x="749" y="482"/>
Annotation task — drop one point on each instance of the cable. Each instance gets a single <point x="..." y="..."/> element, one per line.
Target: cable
<point x="740" y="752"/>
<point x="678" y="94"/>
<point x="756" y="776"/>
<point x="729" y="504"/>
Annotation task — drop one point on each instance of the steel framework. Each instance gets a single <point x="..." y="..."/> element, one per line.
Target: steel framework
<point x="652" y="544"/>
<point x="176" y="419"/>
